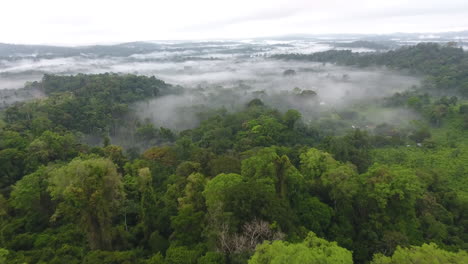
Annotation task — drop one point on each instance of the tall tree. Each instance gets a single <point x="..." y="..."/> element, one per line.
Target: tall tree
<point x="91" y="190"/>
<point x="312" y="250"/>
<point x="425" y="254"/>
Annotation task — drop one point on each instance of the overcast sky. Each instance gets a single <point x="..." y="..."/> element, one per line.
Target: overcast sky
<point x="108" y="21"/>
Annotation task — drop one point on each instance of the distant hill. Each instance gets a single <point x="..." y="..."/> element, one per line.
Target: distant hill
<point x="374" y="45"/>
<point x="124" y="49"/>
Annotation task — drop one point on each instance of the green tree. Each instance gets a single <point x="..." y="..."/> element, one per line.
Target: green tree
<point x="385" y="206"/>
<point x="92" y="190"/>
<point x="31" y="198"/>
<point x="215" y="191"/>
<point x="51" y="146"/>
<point x="384" y="184"/>
<point x="3" y="256"/>
<point x="330" y="178"/>
<point x="267" y="166"/>
<point x="215" y="199"/>
<point x="312" y="250"/>
<point x="265" y="130"/>
<point x="188" y="224"/>
<point x="291" y="117"/>
<point x="425" y="254"/>
<point x="148" y="211"/>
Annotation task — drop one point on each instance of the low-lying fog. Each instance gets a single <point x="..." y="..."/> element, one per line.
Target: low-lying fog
<point x="143" y="58"/>
<point x="222" y="75"/>
<point x="233" y="84"/>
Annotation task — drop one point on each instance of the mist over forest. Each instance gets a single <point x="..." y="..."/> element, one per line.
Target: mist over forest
<point x="345" y="148"/>
<point x="213" y="74"/>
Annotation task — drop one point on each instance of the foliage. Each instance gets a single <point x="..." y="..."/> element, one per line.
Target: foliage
<point x="427" y="253"/>
<point x="247" y="184"/>
<point x="312" y="250"/>
<point x="92" y="190"/>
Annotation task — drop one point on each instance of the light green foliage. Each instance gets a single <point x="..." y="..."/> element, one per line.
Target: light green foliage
<point x="264" y="131"/>
<point x="383" y="183"/>
<point x="12" y="139"/>
<point x="343" y="182"/>
<point x="215" y="188"/>
<point x="387" y="203"/>
<point x="425" y="254"/>
<point x="188" y="223"/>
<point x="449" y="162"/>
<point x="312" y="250"/>
<point x="91" y="189"/>
<point x="215" y="200"/>
<point x="28" y="192"/>
<point x="3" y="256"/>
<point x="144" y="180"/>
<point x="314" y="163"/>
<point x="268" y="167"/>
<point x="322" y="171"/>
<point x="261" y="165"/>
<point x="52" y="146"/>
<point x="193" y="192"/>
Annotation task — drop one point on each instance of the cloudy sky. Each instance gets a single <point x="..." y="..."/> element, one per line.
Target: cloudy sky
<point x="109" y="21"/>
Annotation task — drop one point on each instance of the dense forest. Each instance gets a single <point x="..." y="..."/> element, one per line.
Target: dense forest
<point x="253" y="186"/>
<point x="445" y="65"/>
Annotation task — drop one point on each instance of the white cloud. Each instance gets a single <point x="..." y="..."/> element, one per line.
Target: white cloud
<point x="93" y="21"/>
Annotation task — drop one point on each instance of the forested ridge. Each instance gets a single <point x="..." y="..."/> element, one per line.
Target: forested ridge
<point x="253" y="186"/>
<point x="445" y="65"/>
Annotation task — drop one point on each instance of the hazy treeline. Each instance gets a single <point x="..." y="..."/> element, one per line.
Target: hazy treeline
<point x="445" y="64"/>
<point x="22" y="63"/>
